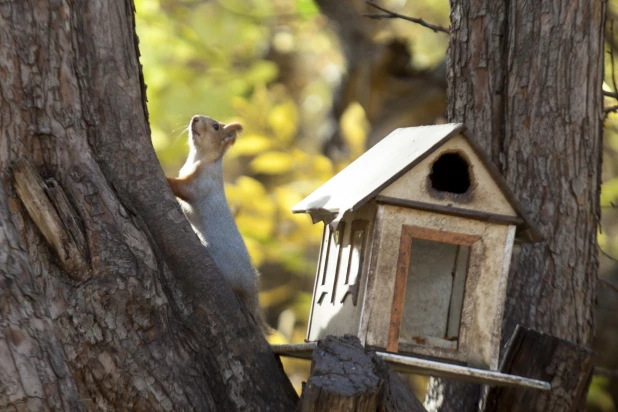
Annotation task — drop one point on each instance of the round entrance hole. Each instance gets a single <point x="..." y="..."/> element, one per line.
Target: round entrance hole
<point x="450" y="173"/>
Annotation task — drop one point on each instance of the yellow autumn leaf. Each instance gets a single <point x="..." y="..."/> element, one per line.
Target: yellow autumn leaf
<point x="286" y="198"/>
<point x="250" y="186"/>
<point x="609" y="192"/>
<point x="283" y="120"/>
<point x="272" y="163"/>
<point x="248" y="196"/>
<point x="250" y="145"/>
<point x="354" y="128"/>
<point x="323" y="167"/>
<point x="255" y="226"/>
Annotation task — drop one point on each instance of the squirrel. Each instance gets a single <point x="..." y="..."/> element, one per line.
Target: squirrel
<point x="199" y="188"/>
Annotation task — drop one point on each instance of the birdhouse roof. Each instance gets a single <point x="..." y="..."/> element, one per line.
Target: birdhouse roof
<point x="388" y="160"/>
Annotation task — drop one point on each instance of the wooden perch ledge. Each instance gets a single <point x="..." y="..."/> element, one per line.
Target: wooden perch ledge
<point x="56" y="220"/>
<point x="418" y="366"/>
<point x="350" y="377"/>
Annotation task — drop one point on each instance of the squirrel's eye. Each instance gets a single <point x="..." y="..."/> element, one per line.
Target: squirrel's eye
<point x="215" y="126"/>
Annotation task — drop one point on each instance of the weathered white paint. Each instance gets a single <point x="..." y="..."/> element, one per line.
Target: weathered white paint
<point x="506" y="264"/>
<point x="485" y="195"/>
<point x="459" y="284"/>
<point x="332" y="316"/>
<point x="351" y="187"/>
<point x="371" y="278"/>
<point x="484" y="290"/>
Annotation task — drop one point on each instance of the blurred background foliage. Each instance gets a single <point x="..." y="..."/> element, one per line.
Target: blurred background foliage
<point x="312" y="95"/>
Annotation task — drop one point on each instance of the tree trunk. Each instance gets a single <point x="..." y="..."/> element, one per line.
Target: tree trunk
<point x="525" y="78"/>
<point x="33" y="369"/>
<point x="120" y="295"/>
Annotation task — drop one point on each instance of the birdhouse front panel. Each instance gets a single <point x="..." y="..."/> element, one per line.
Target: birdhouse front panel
<point x="452" y="176"/>
<point x="341" y="276"/>
<point x="438" y="285"/>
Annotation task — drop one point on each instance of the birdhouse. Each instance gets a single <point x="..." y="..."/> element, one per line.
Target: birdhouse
<point x="416" y="248"/>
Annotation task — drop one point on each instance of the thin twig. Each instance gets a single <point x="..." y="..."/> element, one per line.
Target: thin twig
<point x="258" y="18"/>
<point x="614" y="94"/>
<point x="608" y="285"/>
<point x="610" y="373"/>
<point x="392" y="15"/>
<point x="611" y="53"/>
<point x="607" y="255"/>
<point x="607" y="93"/>
<point x="610" y="109"/>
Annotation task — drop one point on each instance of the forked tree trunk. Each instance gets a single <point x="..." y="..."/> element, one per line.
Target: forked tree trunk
<point x="525" y="77"/>
<point x="119" y="293"/>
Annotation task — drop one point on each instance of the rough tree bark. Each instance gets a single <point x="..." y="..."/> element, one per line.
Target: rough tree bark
<point x="347" y="377"/>
<point x="525" y="77"/>
<point x="136" y="312"/>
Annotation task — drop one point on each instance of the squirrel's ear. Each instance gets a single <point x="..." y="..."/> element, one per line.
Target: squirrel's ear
<point x="180" y="187"/>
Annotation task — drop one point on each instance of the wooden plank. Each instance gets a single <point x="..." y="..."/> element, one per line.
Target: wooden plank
<point x="295" y="350"/>
<point x="358" y="244"/>
<point x="444" y="370"/>
<point x="452" y="211"/>
<point x="399" y="292"/>
<point x="452" y="355"/>
<point x="371" y="275"/>
<point x="544" y="357"/>
<point x="409" y="364"/>
<point x="440" y="235"/>
<point x="457" y="293"/>
<point x="318" y="271"/>
<point x="428" y="293"/>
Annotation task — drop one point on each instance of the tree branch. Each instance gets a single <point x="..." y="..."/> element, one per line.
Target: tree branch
<point x="610" y="109"/>
<point x="394" y="15"/>
<point x="607" y="93"/>
<point x="614" y="94"/>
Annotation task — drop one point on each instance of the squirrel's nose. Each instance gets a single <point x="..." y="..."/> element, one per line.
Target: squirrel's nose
<point x="195" y="119"/>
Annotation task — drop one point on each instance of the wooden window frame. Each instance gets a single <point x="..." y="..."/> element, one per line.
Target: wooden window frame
<point x="409" y="232"/>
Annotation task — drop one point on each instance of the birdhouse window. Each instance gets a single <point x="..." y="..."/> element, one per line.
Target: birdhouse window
<point x="329" y="264"/>
<point x="450" y="173"/>
<point x="429" y="288"/>
<point x="341" y="262"/>
<point x="355" y="262"/>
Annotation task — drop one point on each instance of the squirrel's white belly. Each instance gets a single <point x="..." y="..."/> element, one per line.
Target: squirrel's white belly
<point x="220" y="235"/>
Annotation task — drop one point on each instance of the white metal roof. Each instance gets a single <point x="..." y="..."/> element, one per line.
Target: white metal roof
<point x="384" y="163"/>
<point x="374" y="170"/>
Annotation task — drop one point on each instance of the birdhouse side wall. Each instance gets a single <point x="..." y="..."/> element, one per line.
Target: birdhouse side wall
<point x="484" y="195"/>
<point x="341" y="276"/>
<point x="485" y="287"/>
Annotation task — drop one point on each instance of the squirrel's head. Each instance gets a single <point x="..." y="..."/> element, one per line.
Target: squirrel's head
<point x="210" y="138"/>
